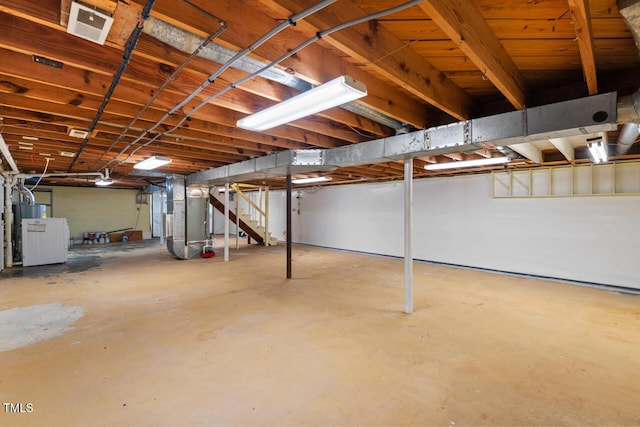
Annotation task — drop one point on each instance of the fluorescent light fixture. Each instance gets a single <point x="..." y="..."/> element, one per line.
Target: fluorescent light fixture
<point x="25" y="147"/>
<point x="104" y="182"/>
<point x="598" y="150"/>
<point x="29" y="138"/>
<point x="311" y="180"/>
<point x="468" y="163"/>
<point x="152" y="163"/>
<point x="331" y="94"/>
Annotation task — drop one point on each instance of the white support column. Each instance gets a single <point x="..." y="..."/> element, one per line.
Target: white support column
<point x="237" y="221"/>
<point x="226" y="221"/>
<point x="408" y="246"/>
<point x="266" y="216"/>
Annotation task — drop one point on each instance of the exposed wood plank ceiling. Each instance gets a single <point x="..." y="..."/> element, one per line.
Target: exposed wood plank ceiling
<point x="434" y="63"/>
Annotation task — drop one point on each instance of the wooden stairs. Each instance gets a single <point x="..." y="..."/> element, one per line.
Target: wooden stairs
<point x="248" y="225"/>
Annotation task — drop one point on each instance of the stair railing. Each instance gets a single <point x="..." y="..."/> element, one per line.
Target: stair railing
<point x="260" y="209"/>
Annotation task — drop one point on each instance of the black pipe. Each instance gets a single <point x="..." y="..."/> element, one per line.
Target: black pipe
<point x="289" y="225"/>
<point x="126" y="57"/>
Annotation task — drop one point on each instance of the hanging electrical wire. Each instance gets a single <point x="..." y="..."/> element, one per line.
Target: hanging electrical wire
<point x="289" y="53"/>
<point x="43" y="174"/>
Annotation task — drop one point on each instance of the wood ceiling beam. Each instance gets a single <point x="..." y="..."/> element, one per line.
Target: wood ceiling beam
<point x="44" y="108"/>
<point x="187" y="137"/>
<point x="584" y="35"/>
<point x="376" y="47"/>
<point x="16" y="34"/>
<point x="265" y="91"/>
<point x="463" y="23"/>
<point x="157" y="51"/>
<point x="314" y="63"/>
<point x="60" y="141"/>
<point x="248" y="102"/>
<point x="121" y="112"/>
<point x="215" y="120"/>
<point x="44" y="12"/>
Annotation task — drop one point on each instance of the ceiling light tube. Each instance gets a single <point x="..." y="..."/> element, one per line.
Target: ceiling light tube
<point x="152" y="163"/>
<point x="598" y="151"/>
<point x="311" y="180"/>
<point x="104" y="182"/>
<point x="468" y="163"/>
<point x="331" y="94"/>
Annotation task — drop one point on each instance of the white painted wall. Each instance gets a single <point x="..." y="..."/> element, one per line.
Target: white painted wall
<point x="456" y="221"/>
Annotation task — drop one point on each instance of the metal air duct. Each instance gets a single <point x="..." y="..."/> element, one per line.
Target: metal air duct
<point x="630" y="11"/>
<point x="177" y="228"/>
<point x="628" y="136"/>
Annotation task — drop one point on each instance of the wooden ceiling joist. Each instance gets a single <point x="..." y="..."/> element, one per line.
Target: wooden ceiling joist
<point x="584" y="36"/>
<point x="429" y="65"/>
<point x="464" y="25"/>
<point x="380" y="49"/>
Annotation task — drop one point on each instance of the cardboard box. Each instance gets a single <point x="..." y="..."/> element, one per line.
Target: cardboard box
<point x="134" y="235"/>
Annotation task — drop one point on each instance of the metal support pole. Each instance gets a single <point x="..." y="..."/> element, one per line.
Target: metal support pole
<point x="226" y="221"/>
<point x="163" y="214"/>
<point x="266" y="217"/>
<point x="289" y="225"/>
<point x="8" y="222"/>
<point x="237" y="220"/>
<point x="408" y="225"/>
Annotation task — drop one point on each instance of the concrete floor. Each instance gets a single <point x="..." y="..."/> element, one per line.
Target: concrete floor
<point x="203" y="342"/>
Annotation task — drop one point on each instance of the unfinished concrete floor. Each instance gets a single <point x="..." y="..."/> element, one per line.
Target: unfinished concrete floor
<point x="203" y="342"/>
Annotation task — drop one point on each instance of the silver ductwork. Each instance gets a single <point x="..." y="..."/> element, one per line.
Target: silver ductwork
<point x="630" y="11"/>
<point x="629" y="115"/>
<point x="564" y="119"/>
<point x="31" y="199"/>
<point x="185" y="221"/>
<point x="629" y="108"/>
<point x="627" y="137"/>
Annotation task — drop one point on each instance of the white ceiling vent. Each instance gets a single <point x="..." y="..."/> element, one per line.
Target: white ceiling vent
<point x="77" y="133"/>
<point x="88" y="23"/>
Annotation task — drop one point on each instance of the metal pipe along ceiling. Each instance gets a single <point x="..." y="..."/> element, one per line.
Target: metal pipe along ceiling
<point x="186" y="41"/>
<point x="4" y="148"/>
